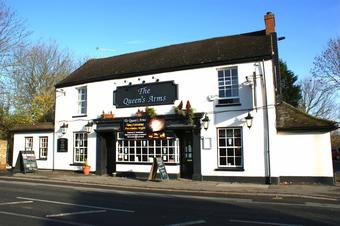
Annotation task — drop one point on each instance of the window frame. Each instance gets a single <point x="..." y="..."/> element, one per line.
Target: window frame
<point x="30" y="142"/>
<point x="83" y="149"/>
<point x="82" y="100"/>
<point x="227" y="166"/>
<point x="142" y="151"/>
<point x="43" y="149"/>
<point x="232" y="86"/>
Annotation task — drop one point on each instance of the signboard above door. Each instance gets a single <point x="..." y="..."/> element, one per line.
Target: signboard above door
<point x="146" y="94"/>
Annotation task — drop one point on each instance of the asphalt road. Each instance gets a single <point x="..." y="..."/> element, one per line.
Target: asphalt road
<point x="23" y="203"/>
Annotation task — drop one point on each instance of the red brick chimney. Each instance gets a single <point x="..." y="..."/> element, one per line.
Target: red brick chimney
<point x="269" y="20"/>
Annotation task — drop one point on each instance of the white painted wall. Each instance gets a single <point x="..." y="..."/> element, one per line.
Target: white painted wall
<point x="194" y="85"/>
<point x="19" y="145"/>
<point x="307" y="154"/>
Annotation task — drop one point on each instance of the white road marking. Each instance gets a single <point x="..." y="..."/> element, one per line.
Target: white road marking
<point x="75" y="213"/>
<point x="72" y="204"/>
<point x="188" y="223"/>
<point x="44" y="219"/>
<point x="15" y="203"/>
<point x="261" y="222"/>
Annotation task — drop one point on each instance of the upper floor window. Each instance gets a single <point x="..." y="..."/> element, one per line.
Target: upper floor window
<point x="228" y="87"/>
<point x="82" y="100"/>
<point x="28" y="143"/>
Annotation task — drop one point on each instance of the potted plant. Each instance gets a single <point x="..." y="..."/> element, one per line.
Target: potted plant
<point x="86" y="168"/>
<point x="107" y="115"/>
<point x="188" y="112"/>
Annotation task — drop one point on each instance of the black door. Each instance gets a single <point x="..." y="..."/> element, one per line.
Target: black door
<point x="106" y="163"/>
<point x="186" y="154"/>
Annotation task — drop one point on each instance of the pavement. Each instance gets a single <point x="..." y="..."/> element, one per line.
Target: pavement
<point x="182" y="186"/>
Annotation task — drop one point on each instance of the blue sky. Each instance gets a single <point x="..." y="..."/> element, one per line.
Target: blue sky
<point x="122" y="26"/>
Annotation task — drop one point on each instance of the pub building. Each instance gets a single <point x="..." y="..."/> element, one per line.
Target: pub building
<point x="209" y="109"/>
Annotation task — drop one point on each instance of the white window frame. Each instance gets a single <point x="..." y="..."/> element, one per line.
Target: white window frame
<point x="43" y="147"/>
<point x="80" y="147"/>
<point x="230" y="147"/>
<point x="82" y="100"/>
<point x="28" y="143"/>
<point x="143" y="151"/>
<point x="228" y="85"/>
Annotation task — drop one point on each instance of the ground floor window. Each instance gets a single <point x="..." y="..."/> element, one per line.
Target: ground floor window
<point x="28" y="143"/>
<point x="230" y="147"/>
<point x="145" y="150"/>
<point x="80" y="147"/>
<point x="43" y="144"/>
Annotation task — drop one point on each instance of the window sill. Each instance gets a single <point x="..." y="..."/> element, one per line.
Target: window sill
<point x="228" y="105"/>
<point x="230" y="169"/>
<point x="77" y="164"/>
<point x="43" y="159"/>
<point x="79" y="116"/>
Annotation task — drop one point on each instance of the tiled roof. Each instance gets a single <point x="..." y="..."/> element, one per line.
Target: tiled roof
<point x="44" y="126"/>
<point x="289" y="118"/>
<point x="210" y="52"/>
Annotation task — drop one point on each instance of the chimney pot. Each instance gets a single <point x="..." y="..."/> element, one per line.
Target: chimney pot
<point x="269" y="20"/>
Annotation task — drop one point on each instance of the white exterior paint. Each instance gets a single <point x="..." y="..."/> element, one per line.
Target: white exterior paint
<point x="307" y="154"/>
<point x="19" y="145"/>
<point x="194" y="85"/>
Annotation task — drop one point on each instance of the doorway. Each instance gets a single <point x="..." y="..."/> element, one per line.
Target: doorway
<point x="186" y="154"/>
<point x="106" y="161"/>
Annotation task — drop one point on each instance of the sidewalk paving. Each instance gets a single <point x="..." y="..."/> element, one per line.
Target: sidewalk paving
<point x="310" y="191"/>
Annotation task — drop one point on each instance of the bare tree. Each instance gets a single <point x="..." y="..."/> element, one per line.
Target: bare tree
<point x="37" y="69"/>
<point x="317" y="99"/>
<point x="327" y="65"/>
<point x="12" y="36"/>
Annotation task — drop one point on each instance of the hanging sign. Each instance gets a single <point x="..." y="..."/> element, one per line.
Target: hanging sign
<point x="146" y="94"/>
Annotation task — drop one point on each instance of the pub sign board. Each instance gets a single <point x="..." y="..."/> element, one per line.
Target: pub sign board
<point x="146" y="94"/>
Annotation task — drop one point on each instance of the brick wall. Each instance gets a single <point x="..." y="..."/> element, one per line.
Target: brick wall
<point x="3" y="149"/>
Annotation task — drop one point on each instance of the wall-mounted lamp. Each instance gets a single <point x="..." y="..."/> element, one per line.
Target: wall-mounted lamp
<point x="88" y="126"/>
<point x="249" y="120"/>
<point x="61" y="91"/>
<point x="205" y="122"/>
<point x="63" y="128"/>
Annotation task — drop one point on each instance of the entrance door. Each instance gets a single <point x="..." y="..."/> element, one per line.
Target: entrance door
<point x="106" y="162"/>
<point x="186" y="153"/>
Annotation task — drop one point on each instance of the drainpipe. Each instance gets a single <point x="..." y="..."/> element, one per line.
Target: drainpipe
<point x="266" y="118"/>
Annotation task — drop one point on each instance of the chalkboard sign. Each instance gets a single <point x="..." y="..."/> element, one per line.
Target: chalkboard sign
<point x="26" y="162"/>
<point x="158" y="164"/>
<point x="62" y="145"/>
<point x="162" y="170"/>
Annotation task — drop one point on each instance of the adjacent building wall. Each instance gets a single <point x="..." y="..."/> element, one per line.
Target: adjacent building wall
<point x="3" y="151"/>
<point x="19" y="145"/>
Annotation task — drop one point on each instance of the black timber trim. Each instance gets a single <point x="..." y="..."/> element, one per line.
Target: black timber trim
<point x="146" y="163"/>
<point x="77" y="164"/>
<point x="308" y="180"/>
<point x="158" y="71"/>
<point x="142" y="175"/>
<point x="79" y="116"/>
<point x="241" y="179"/>
<point x="31" y="130"/>
<point x="230" y="169"/>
